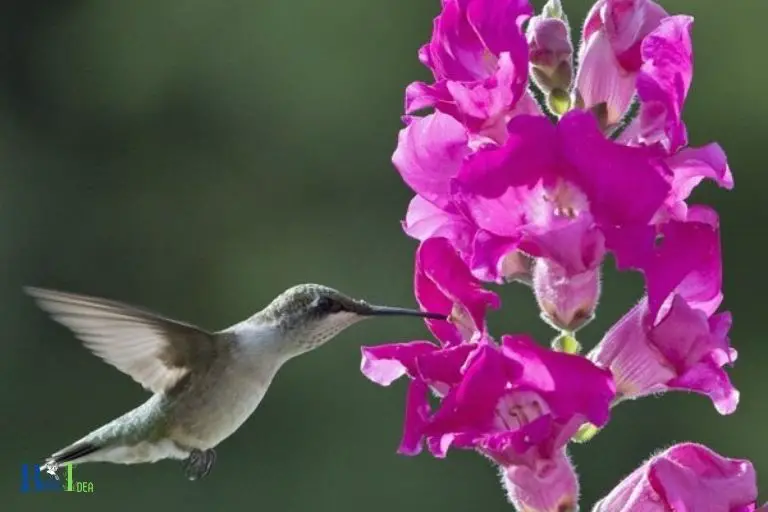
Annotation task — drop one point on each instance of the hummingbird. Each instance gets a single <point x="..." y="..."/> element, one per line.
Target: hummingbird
<point x="204" y="385"/>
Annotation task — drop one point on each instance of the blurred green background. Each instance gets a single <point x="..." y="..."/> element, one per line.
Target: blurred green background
<point x="198" y="157"/>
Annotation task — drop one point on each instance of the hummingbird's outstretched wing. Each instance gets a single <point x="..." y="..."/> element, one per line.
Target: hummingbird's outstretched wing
<point x="155" y="351"/>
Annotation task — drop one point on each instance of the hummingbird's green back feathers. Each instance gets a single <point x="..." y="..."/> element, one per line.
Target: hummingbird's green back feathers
<point x="155" y="351"/>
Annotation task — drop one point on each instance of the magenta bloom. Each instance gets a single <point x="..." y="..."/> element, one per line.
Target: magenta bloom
<point x="552" y="188"/>
<point x="551" y="191"/>
<point x="443" y="284"/>
<point x="662" y="86"/>
<point x="479" y="58"/>
<point x="672" y="339"/>
<point x="687" y="477"/>
<point x="503" y="193"/>
<point x="519" y="404"/>
<point x="514" y="397"/>
<point x="609" y="56"/>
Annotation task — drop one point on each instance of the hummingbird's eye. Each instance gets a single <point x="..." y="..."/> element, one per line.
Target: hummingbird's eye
<point x="328" y="305"/>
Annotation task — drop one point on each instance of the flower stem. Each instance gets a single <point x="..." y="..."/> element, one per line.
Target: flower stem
<point x="567" y="343"/>
<point x="586" y="432"/>
<point x="541" y="99"/>
<point x="632" y="112"/>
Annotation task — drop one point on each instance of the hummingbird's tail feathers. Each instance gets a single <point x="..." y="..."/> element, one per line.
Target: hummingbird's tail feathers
<point x="73" y="453"/>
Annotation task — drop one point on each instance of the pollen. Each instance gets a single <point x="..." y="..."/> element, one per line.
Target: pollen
<point x="566" y="199"/>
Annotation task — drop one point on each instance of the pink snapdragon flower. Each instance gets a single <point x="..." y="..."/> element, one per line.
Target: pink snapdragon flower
<point x="502" y="192"/>
<point x="672" y="339"/>
<point x="519" y="404"/>
<point x="478" y="55"/>
<point x="551" y="191"/>
<point x="662" y="86"/>
<point x="609" y="56"/>
<point x="686" y="477"/>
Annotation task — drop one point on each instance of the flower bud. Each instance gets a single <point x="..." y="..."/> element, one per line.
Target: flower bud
<point x="550" y="50"/>
<point x="567" y="302"/>
<point x="550" y="485"/>
<point x="609" y="53"/>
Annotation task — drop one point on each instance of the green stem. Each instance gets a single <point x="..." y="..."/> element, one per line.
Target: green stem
<point x="585" y="433"/>
<point x="632" y="112"/>
<point x="541" y="99"/>
<point x="567" y="343"/>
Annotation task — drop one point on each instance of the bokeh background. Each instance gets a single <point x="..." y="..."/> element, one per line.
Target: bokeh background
<point x="198" y="157"/>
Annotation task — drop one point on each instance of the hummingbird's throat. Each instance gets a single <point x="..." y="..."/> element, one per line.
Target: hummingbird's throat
<point x="321" y="331"/>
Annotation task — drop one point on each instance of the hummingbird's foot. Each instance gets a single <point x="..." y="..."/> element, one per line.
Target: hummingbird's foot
<point x="199" y="463"/>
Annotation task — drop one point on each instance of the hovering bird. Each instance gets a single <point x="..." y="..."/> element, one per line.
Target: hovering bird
<point x="204" y="384"/>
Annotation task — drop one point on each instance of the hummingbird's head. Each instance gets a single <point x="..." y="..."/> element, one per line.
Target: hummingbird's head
<point x="311" y="314"/>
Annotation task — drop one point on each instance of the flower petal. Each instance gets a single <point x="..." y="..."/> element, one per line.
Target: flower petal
<point x="550" y="486"/>
<point x="470" y="406"/>
<point x="494" y="258"/>
<point x="443" y="369"/>
<point x="429" y="152"/>
<point x="600" y="79"/>
<point x="688" y="261"/>
<point x="637" y="366"/>
<point x="575" y="244"/>
<point x="384" y="364"/>
<point x="444" y="284"/>
<point x="425" y="220"/>
<point x="689" y="167"/>
<point x="482" y="106"/>
<point x="665" y="78"/>
<point x="416" y="416"/>
<point x="562" y="379"/>
<point x="686" y="476"/>
<point x="691" y="476"/>
<point x="596" y="162"/>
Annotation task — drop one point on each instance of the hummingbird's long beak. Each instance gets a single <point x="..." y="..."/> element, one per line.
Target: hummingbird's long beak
<point x="393" y="311"/>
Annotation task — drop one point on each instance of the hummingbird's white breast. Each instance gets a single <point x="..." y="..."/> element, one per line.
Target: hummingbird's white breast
<point x="216" y="404"/>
